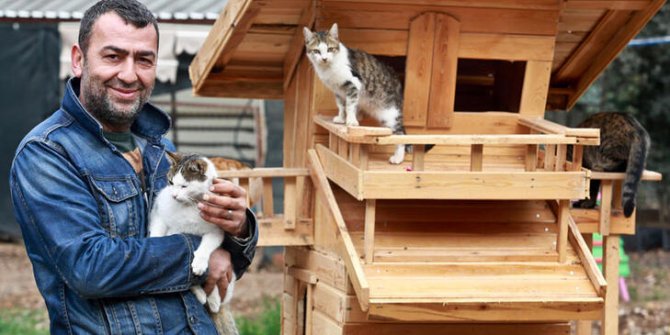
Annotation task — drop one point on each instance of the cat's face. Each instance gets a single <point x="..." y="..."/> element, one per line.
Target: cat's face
<point x="190" y="177"/>
<point x="322" y="46"/>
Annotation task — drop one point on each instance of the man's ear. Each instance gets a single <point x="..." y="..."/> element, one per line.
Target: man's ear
<point x="77" y="58"/>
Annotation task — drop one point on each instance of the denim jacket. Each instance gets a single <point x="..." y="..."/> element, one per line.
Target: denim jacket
<point x="83" y="214"/>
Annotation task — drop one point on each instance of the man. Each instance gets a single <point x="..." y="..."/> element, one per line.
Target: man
<point x="83" y="182"/>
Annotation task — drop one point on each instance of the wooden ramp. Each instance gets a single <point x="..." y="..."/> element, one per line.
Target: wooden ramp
<point x="463" y="260"/>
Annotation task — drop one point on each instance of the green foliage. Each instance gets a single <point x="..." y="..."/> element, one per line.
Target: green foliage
<point x="24" y="322"/>
<point x="267" y="323"/>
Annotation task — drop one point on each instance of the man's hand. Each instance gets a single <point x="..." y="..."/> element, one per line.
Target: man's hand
<point x="220" y="272"/>
<point x="226" y="207"/>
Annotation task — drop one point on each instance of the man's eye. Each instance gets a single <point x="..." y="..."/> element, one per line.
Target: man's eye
<point x="112" y="57"/>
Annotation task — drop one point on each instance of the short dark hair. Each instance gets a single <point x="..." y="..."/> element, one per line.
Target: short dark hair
<point x="131" y="11"/>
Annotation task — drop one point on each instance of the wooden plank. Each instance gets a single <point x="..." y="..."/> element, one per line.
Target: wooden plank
<point x="472" y="139"/>
<point x="341" y="172"/>
<point x="323" y="325"/>
<point x="369" y="242"/>
<point x="418" y="70"/>
<point x="476" y="157"/>
<point x="500" y="4"/>
<point x="298" y="43"/>
<point x="531" y="157"/>
<point x="268" y="198"/>
<point x="611" y="259"/>
<point x="562" y="236"/>
<point x="350" y="256"/>
<point x="584" y="327"/>
<point x="272" y="232"/>
<point x="355" y="14"/>
<point x="587" y="261"/>
<point x="535" y="88"/>
<point x="646" y="175"/>
<point x="337" y="305"/>
<point x="457" y="328"/>
<point x="221" y="32"/>
<point x="303" y="275"/>
<point x="607" y="4"/>
<point x="507" y="47"/>
<point x="605" y="207"/>
<point x="376" y="41"/>
<point x="588" y="221"/>
<point x="328" y="268"/>
<point x="541" y="125"/>
<point x="241" y="89"/>
<point x="472" y="185"/>
<point x="491" y="312"/>
<point x="443" y="73"/>
<point x="290" y="198"/>
<point x="264" y="172"/>
<point x="418" y="157"/>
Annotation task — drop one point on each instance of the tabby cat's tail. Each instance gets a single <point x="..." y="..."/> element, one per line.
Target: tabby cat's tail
<point x="224" y="321"/>
<point x="636" y="164"/>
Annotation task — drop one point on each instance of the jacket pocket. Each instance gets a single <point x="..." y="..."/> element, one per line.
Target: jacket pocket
<point x="118" y="204"/>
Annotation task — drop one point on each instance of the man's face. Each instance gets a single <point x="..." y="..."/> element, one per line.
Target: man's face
<point x="118" y="70"/>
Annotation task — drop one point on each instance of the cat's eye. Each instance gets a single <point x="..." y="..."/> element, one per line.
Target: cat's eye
<point x="315" y="51"/>
<point x="184" y="185"/>
<point x="170" y="182"/>
<point x="332" y="49"/>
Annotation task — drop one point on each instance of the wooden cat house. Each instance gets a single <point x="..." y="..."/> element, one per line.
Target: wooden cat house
<point x="475" y="236"/>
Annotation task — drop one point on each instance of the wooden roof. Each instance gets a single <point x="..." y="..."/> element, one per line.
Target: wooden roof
<point x="253" y="48"/>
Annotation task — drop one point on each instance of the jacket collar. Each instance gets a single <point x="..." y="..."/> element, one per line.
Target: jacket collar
<point x="152" y="123"/>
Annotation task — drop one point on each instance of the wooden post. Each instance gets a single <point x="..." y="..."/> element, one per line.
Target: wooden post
<point x="561" y="152"/>
<point x="418" y="155"/>
<point x="562" y="235"/>
<point x="355" y="154"/>
<point x="364" y="157"/>
<point x="290" y="198"/>
<point x="610" y="322"/>
<point x="531" y="157"/>
<point x="476" y="157"/>
<point x="268" y="201"/>
<point x="585" y="327"/>
<point x="605" y="207"/>
<point x="535" y="87"/>
<point x="343" y="148"/>
<point x="369" y="242"/>
<point x="577" y="157"/>
<point x="445" y="66"/>
<point x="549" y="157"/>
<point x="332" y="142"/>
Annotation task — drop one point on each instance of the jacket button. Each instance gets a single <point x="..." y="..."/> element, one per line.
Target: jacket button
<point x="191" y="319"/>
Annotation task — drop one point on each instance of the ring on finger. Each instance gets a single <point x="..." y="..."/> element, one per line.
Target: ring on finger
<point x="229" y="214"/>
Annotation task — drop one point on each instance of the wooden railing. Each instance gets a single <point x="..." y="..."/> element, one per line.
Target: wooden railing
<point x="294" y="226"/>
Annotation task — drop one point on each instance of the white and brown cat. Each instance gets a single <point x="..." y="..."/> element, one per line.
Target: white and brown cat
<point x="175" y="211"/>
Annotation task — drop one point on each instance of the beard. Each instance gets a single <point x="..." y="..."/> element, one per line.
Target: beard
<point x="101" y="105"/>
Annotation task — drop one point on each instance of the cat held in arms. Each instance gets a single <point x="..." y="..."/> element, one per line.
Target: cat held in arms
<point x="624" y="145"/>
<point x="175" y="211"/>
<point x="357" y="79"/>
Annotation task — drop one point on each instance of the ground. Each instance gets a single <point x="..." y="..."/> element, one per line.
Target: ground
<point x="648" y="312"/>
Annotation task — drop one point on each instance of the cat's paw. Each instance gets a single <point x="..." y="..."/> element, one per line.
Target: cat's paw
<point x="199" y="294"/>
<point x="338" y="119"/>
<point x="352" y="123"/>
<point x="214" y="302"/>
<point x="397" y="158"/>
<point x="199" y="265"/>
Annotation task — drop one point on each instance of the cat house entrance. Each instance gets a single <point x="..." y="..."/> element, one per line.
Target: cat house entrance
<point x="489" y="85"/>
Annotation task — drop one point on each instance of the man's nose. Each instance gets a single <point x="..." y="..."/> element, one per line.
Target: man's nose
<point x="127" y="73"/>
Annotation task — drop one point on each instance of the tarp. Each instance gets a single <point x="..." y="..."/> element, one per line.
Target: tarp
<point x="29" y="92"/>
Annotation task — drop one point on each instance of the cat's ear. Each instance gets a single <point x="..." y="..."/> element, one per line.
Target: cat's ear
<point x="308" y="34"/>
<point x="173" y="157"/>
<point x="333" y="32"/>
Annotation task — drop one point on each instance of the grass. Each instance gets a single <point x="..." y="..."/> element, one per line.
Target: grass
<point x="34" y="322"/>
<point x="24" y="322"/>
<point x="268" y="322"/>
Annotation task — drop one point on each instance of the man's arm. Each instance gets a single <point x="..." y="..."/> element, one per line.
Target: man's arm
<point x="60" y="219"/>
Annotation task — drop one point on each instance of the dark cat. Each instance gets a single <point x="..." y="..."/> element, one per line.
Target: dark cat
<point x="624" y="145"/>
